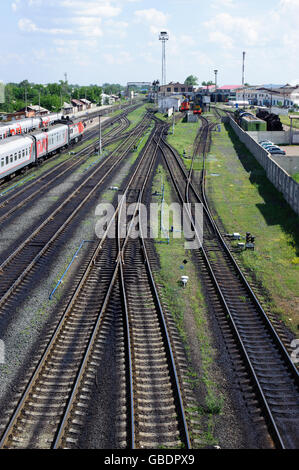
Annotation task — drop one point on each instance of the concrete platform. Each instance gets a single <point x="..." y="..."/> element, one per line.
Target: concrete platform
<point x="290" y="150"/>
<point x="290" y="161"/>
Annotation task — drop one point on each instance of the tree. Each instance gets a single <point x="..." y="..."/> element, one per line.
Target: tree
<point x="191" y="80"/>
<point x="209" y="83"/>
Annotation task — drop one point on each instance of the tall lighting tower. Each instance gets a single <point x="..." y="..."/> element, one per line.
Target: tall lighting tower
<point x="215" y="72"/>
<point x="163" y="37"/>
<point x="243" y="76"/>
<point x="243" y="69"/>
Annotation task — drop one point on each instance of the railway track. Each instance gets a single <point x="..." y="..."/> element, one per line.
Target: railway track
<point x="88" y="134"/>
<point x="25" y="257"/>
<point x="51" y="409"/>
<point x="30" y="191"/>
<point x="273" y="376"/>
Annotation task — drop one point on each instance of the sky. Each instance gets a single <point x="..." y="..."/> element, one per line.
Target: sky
<point x="116" y="41"/>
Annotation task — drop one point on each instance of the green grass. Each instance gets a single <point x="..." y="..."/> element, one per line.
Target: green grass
<point x="245" y="200"/>
<point x="183" y="137"/>
<point x="190" y="299"/>
<point x="286" y="120"/>
<point x="296" y="177"/>
<point x="136" y="116"/>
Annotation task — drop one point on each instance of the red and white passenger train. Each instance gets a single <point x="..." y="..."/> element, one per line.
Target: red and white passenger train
<point x="23" y="126"/>
<point x="20" y="151"/>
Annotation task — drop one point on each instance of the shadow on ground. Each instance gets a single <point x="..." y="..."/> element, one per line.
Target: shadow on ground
<point x="275" y="210"/>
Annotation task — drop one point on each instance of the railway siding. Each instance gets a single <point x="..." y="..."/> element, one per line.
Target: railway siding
<point x="244" y="200"/>
<point x="254" y="347"/>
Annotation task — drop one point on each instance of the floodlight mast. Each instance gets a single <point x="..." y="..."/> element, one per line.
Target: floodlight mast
<point x="163" y="37"/>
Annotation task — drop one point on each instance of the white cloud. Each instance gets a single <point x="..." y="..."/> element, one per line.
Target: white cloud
<point x="223" y="40"/>
<point x="120" y="58"/>
<point x="235" y="30"/>
<point x="117" y="28"/>
<point x="186" y="40"/>
<point x="99" y="8"/>
<point x="223" y="4"/>
<point x="151" y="15"/>
<point x="157" y="20"/>
<point x="27" y="26"/>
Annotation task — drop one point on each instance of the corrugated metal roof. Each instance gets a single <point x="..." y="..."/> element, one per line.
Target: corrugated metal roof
<point x="77" y="102"/>
<point x="229" y="87"/>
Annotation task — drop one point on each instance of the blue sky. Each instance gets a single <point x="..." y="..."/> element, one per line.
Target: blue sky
<point x="97" y="41"/>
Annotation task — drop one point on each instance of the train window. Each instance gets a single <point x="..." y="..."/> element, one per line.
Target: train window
<point x="11" y="158"/>
<point x="16" y="157"/>
<point x="23" y="153"/>
<point x="2" y="162"/>
<point x="6" y="160"/>
<point x="20" y="155"/>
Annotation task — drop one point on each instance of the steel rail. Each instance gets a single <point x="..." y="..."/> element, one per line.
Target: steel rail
<point x="59" y="327"/>
<point x="263" y="400"/>
<point x="117" y="269"/>
<point x="139" y="130"/>
<point x="25" y="188"/>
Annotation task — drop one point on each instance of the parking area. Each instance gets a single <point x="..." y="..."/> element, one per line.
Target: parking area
<point x="290" y="150"/>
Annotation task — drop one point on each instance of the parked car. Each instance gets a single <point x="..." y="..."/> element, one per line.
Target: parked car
<point x="266" y="146"/>
<point x="271" y="147"/>
<point x="277" y="151"/>
<point x="266" y="143"/>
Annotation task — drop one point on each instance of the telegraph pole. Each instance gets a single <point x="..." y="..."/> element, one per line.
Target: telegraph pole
<point x="215" y="72"/>
<point x="26" y="101"/>
<point x="173" y="120"/>
<point x="243" y="77"/>
<point x="100" y="135"/>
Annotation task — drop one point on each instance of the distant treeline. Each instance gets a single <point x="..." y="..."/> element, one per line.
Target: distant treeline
<point x="52" y="95"/>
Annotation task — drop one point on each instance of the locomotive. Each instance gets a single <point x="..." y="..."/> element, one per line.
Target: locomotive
<point x="197" y="109"/>
<point x="185" y="106"/>
<point x="197" y="104"/>
<point x="21" y="151"/>
<point x="23" y="126"/>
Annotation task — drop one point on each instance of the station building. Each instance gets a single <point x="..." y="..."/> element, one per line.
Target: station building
<point x="173" y="88"/>
<point x="286" y="95"/>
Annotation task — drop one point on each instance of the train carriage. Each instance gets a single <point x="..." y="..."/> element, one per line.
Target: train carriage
<point x="76" y="131"/>
<point x="57" y="137"/>
<point x="41" y="144"/>
<point x="23" y="126"/>
<point x="15" y="154"/>
<point x="21" y="151"/>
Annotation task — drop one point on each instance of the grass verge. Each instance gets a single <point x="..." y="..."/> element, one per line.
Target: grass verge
<point x="245" y="200"/>
<point x="184" y="304"/>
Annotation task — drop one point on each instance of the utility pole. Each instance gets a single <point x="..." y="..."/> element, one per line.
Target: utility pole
<point x="26" y="101"/>
<point x="163" y="37"/>
<point x="173" y="120"/>
<point x="100" y="134"/>
<point x="215" y="72"/>
<point x="243" y="77"/>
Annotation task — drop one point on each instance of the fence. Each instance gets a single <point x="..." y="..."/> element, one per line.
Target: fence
<point x="277" y="175"/>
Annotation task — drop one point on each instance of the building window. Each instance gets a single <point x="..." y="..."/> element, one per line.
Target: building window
<point x="176" y="89"/>
<point x="168" y="89"/>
